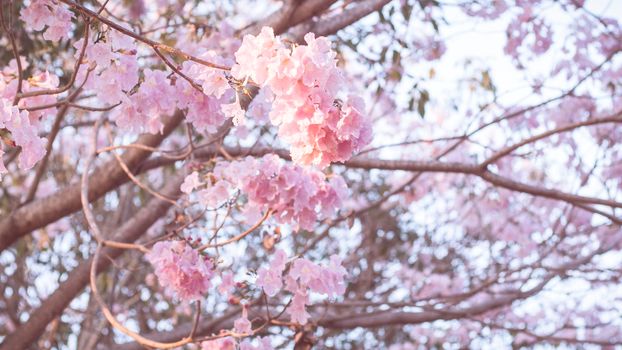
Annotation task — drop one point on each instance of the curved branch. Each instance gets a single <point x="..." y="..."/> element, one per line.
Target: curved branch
<point x="509" y="149"/>
<point x="240" y="236"/>
<point x="54" y="305"/>
<point x="113" y="321"/>
<point x="67" y="200"/>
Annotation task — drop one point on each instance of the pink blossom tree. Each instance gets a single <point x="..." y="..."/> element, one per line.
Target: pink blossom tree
<point x="313" y="174"/>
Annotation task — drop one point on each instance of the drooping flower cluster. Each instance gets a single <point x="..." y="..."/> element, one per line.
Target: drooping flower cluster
<point x="303" y="277"/>
<point x="295" y="194"/>
<point x="48" y="13"/>
<point x="305" y="81"/>
<point x="181" y="269"/>
<point x="23" y="133"/>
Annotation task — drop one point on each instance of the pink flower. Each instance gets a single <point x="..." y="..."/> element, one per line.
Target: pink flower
<point x="259" y="108"/>
<point x="270" y="281"/>
<point x="234" y="110"/>
<point x="120" y="41"/>
<point x="42" y="13"/>
<point x="279" y="261"/>
<point x="215" y="195"/>
<point x="304" y="270"/>
<point x="39" y="81"/>
<point x="190" y="183"/>
<point x="141" y="111"/>
<point x="203" y="111"/>
<point x="491" y="10"/>
<point x="271" y="278"/>
<point x="23" y="133"/>
<point x="327" y="280"/>
<point x="227" y="284"/>
<point x="254" y="55"/>
<point x="37" y="14"/>
<point x="226" y="343"/>
<point x="297" y="195"/>
<point x="303" y="276"/>
<point x="213" y="81"/>
<point x="243" y="324"/>
<point x="297" y="309"/>
<point x="330" y="280"/>
<point x="180" y="269"/>
<point x="43" y="80"/>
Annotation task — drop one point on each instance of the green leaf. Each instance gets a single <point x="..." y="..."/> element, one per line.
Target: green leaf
<point x="423" y="100"/>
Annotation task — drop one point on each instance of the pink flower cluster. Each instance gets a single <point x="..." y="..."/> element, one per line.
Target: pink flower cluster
<point x="305" y="81"/>
<point x="204" y="108"/>
<point x="303" y="276"/>
<point x="23" y="133"/>
<point x="430" y="48"/>
<point x="38" y="81"/>
<point x="142" y="110"/>
<point x="521" y="28"/>
<point x="490" y="10"/>
<point x="300" y="85"/>
<point x="181" y="270"/>
<point x="271" y="278"/>
<point x="296" y="195"/>
<point x="115" y="78"/>
<point x="48" y="13"/>
<point x="24" y="125"/>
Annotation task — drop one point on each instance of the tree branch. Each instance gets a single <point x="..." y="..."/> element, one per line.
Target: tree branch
<point x="39" y="213"/>
<point x="419" y="166"/>
<point x="333" y="23"/>
<point x="54" y="305"/>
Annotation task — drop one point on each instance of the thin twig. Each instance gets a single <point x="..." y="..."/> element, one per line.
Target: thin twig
<point x="153" y="44"/>
<point x="132" y="177"/>
<point x="240" y="236"/>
